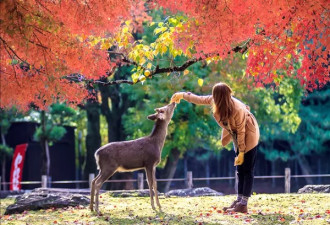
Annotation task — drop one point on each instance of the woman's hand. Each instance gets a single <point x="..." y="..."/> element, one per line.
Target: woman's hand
<point x="177" y="97"/>
<point x="239" y="159"/>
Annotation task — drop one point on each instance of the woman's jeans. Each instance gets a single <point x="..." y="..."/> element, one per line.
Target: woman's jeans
<point x="245" y="172"/>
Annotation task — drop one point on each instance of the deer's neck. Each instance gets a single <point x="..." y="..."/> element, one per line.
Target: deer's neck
<point x="159" y="132"/>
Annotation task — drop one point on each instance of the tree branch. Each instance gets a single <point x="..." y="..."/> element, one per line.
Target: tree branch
<point x="241" y="49"/>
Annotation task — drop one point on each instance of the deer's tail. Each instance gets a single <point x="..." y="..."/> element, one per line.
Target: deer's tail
<point x="97" y="158"/>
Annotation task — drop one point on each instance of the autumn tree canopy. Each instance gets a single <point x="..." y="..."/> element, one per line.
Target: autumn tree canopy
<point x="50" y="50"/>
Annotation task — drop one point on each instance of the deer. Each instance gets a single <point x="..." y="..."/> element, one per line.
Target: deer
<point x="126" y="156"/>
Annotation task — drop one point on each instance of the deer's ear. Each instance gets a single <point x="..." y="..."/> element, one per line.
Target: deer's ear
<point x="152" y="116"/>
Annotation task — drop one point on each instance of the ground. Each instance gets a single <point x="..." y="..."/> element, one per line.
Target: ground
<point x="263" y="209"/>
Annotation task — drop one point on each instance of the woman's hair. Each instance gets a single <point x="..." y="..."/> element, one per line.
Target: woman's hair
<point x="223" y="103"/>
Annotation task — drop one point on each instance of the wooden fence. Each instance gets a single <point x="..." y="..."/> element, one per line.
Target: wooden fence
<point x="189" y="180"/>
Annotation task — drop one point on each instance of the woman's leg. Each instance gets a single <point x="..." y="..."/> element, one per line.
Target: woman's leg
<point x="246" y="173"/>
<point x="241" y="181"/>
<point x="240" y="188"/>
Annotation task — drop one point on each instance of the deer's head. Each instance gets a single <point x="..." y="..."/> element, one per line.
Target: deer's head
<point x="164" y="113"/>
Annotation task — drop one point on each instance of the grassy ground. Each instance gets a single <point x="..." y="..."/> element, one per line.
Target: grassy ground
<point x="263" y="209"/>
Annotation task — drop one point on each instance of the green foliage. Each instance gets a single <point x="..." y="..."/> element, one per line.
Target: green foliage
<point x="5" y="151"/>
<point x="312" y="135"/>
<point x="62" y="114"/>
<point x="280" y="105"/>
<point x="314" y="131"/>
<point x="51" y="133"/>
<point x="6" y="118"/>
<point x="53" y="122"/>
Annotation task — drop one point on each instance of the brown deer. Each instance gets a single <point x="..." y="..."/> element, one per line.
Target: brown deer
<point x="143" y="153"/>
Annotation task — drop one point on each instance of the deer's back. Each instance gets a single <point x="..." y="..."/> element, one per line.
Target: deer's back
<point x="129" y="155"/>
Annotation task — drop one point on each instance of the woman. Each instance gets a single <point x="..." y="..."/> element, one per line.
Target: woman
<point x="238" y="124"/>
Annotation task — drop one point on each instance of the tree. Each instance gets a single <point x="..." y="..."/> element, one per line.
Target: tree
<point x="46" y="47"/>
<point x="51" y="130"/>
<point x="311" y="135"/>
<point x="278" y="35"/>
<point x="43" y="41"/>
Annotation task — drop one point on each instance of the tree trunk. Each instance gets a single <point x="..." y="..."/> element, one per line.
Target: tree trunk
<point x="47" y="158"/>
<point x="44" y="146"/>
<point x="113" y="115"/>
<point x="305" y="168"/>
<point x="185" y="169"/>
<point x="273" y="167"/>
<point x="170" y="169"/>
<point x="3" y="179"/>
<point x="93" y="137"/>
<point x="3" y="176"/>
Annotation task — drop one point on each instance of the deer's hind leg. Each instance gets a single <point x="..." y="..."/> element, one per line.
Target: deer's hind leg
<point x="151" y="184"/>
<point x="93" y="192"/>
<point x="104" y="175"/>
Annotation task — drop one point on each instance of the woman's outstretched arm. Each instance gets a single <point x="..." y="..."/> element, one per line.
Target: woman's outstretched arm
<point x="190" y="97"/>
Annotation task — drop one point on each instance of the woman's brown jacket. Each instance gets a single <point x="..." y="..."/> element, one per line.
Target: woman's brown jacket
<point x="242" y="122"/>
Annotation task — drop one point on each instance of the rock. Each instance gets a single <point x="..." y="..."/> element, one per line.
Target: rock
<point x="193" y="192"/>
<point x="131" y="193"/>
<point x="315" y="189"/>
<point x="85" y="191"/>
<point x="40" y="199"/>
<point x="10" y="194"/>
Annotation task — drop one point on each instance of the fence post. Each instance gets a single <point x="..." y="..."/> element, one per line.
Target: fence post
<point x="189" y="179"/>
<point x="140" y="182"/>
<point x="287" y="180"/>
<point x="44" y="181"/>
<point x="91" y="177"/>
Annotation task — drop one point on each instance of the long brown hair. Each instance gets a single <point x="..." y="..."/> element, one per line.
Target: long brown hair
<point x="223" y="103"/>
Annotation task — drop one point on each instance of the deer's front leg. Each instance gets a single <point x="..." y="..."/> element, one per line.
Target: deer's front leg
<point x="155" y="187"/>
<point x="150" y="183"/>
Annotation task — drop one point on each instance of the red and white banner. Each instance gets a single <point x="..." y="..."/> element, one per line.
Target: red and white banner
<point x="17" y="167"/>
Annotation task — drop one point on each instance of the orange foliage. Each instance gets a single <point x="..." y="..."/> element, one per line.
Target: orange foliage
<point x="42" y="41"/>
<point x="282" y="33"/>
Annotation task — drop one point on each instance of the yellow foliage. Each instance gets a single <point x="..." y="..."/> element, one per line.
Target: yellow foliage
<point x="147" y="72"/>
<point x="164" y="49"/>
<point x="200" y="82"/>
<point x="105" y="45"/>
<point x="149" y="65"/>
